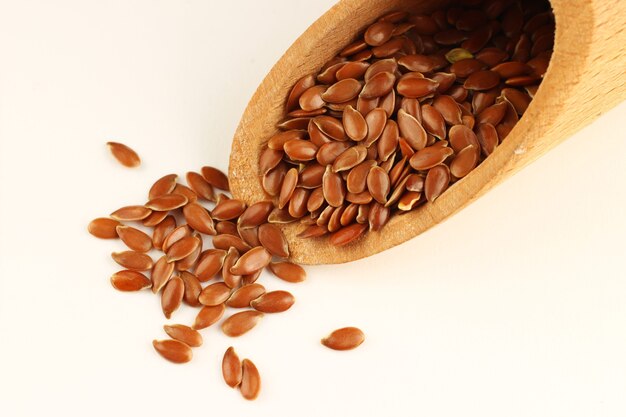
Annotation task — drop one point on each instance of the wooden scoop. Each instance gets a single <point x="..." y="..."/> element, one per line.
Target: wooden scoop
<point x="586" y="77"/>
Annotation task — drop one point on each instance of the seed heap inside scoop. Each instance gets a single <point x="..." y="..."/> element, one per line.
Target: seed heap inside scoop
<point x="413" y="105"/>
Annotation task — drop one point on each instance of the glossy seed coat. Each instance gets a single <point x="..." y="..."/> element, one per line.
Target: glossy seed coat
<point x="184" y="334"/>
<point x="346" y="338"/>
<point x="173" y="350"/>
<point x="104" y="228"/>
<point x="232" y="370"/>
<point x="273" y="302"/>
<point x="124" y="155"/>
<point x="240" y="323"/>
<point x="250" y="380"/>
<point x="288" y="271"/>
<point x="129" y="281"/>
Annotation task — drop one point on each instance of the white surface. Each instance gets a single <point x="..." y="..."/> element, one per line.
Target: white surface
<point x="515" y="307"/>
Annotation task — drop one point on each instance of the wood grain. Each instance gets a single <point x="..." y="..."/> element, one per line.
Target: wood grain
<point x="586" y="77"/>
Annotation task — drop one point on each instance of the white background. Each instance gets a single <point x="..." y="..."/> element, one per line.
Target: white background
<point x="514" y="307"/>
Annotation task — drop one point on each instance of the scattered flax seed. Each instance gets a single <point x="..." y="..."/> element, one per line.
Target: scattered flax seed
<point x="346" y="338"/>
<point x="124" y="155"/>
